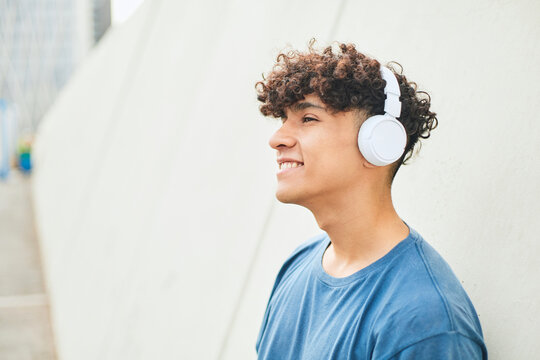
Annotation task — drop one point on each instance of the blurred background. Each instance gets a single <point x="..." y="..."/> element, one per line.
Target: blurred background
<point x="137" y="209"/>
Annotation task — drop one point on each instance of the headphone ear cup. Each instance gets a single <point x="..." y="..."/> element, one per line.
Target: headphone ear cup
<point x="382" y="139"/>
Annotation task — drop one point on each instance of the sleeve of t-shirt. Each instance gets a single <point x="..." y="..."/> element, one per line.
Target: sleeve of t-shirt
<point x="446" y="346"/>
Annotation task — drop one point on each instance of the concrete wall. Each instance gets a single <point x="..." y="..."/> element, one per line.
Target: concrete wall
<point x="154" y="182"/>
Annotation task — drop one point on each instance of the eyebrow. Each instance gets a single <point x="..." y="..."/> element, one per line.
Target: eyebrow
<point x="304" y="105"/>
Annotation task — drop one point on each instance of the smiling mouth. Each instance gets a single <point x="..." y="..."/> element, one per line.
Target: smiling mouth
<point x="288" y="166"/>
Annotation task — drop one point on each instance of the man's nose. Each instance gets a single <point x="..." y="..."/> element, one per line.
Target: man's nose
<point x="282" y="137"/>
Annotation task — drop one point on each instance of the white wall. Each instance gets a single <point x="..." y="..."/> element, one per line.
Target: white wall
<point x="154" y="183"/>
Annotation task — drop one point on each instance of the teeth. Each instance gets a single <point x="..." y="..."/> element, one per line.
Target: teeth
<point x="288" y="165"/>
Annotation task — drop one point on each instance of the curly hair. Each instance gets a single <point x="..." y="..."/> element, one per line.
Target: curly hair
<point x="345" y="81"/>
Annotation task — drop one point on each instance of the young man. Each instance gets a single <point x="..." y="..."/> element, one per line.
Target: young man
<point x="370" y="287"/>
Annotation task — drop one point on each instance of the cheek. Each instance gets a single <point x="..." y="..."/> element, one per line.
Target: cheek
<point x="335" y="158"/>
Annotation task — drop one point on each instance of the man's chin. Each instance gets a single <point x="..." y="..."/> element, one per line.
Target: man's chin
<point x="288" y="197"/>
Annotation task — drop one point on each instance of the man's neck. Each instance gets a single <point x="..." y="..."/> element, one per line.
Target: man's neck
<point x="363" y="226"/>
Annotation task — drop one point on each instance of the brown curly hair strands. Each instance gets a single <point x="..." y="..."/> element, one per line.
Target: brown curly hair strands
<point x="345" y="81"/>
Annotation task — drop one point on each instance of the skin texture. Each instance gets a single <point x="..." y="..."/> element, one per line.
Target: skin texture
<point x="349" y="197"/>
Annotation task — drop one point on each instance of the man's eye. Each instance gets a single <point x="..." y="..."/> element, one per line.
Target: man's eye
<point x="307" y="118"/>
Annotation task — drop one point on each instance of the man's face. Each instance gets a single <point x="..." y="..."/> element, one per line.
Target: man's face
<point x="322" y="146"/>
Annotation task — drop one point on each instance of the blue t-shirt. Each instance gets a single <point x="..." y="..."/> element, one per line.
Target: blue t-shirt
<point x="406" y="305"/>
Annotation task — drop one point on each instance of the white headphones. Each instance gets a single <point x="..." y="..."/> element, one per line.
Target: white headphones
<point x="382" y="138"/>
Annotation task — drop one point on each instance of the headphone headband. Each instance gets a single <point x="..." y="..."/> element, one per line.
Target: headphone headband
<point x="392" y="105"/>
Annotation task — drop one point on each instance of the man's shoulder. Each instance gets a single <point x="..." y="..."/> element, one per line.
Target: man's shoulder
<point x="299" y="257"/>
<point x="422" y="270"/>
<point x="423" y="298"/>
<point x="441" y="286"/>
<point x="411" y="293"/>
<point x="309" y="245"/>
<point x="303" y="252"/>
